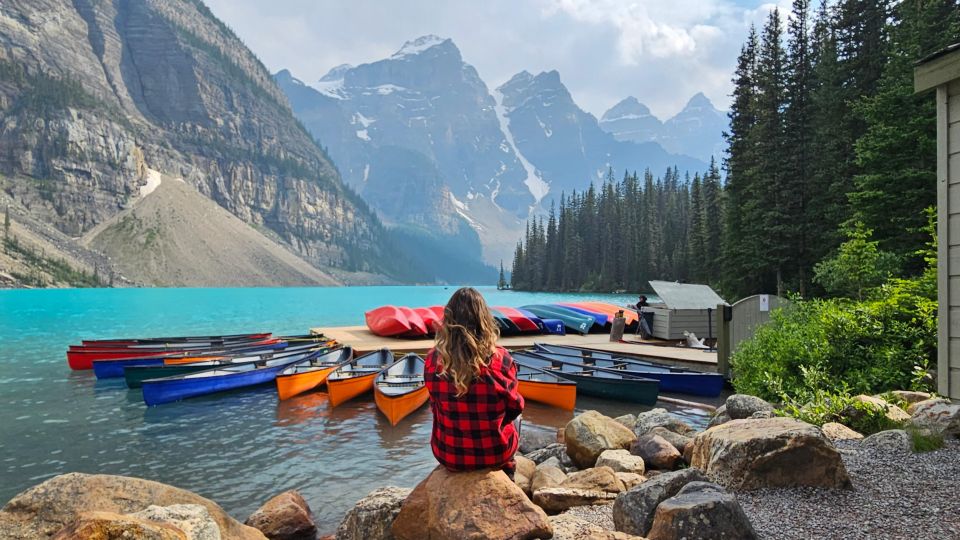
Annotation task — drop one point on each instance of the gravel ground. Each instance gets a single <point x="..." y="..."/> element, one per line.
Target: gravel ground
<point x="894" y="497"/>
<point x="598" y="515"/>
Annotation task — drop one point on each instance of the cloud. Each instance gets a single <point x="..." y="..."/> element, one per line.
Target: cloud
<point x="661" y="52"/>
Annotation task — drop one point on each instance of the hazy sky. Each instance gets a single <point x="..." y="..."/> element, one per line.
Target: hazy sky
<point x="661" y="51"/>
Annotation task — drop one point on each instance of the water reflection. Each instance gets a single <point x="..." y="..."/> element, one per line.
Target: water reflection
<point x="312" y="406"/>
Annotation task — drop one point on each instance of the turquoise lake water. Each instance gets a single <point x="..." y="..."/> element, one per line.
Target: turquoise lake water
<point x="239" y="448"/>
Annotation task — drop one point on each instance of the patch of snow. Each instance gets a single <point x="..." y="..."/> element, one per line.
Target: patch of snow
<point x="627" y="117"/>
<point x="459" y="205"/>
<point x="153" y="180"/>
<point x="538" y="188"/>
<point x="362" y="134"/>
<point x="386" y="89"/>
<point x="333" y="89"/>
<point x="462" y="210"/>
<point x="546" y="130"/>
<point x="471" y="195"/>
<point x="417" y="46"/>
<point x="359" y="118"/>
<point x="366" y="172"/>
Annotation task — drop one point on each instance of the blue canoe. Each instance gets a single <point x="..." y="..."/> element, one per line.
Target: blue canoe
<point x="672" y="378"/>
<point x="600" y="319"/>
<point x="220" y="379"/>
<point x="572" y="320"/>
<point x="110" y="368"/>
<point x="547" y="326"/>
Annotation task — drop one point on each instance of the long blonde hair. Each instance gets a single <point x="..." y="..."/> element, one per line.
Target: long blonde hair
<point x="466" y="339"/>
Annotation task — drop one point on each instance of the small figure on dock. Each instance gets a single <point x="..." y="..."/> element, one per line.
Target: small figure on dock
<point x="473" y="390"/>
<point x="643" y="329"/>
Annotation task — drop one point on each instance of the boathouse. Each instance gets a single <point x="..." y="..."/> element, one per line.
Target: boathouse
<point x="941" y="71"/>
<point x="686" y="307"/>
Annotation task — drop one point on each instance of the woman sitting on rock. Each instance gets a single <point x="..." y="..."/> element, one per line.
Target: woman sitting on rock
<point x="473" y="389"/>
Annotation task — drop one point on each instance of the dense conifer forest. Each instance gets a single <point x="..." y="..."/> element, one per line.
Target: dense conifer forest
<point x="827" y="137"/>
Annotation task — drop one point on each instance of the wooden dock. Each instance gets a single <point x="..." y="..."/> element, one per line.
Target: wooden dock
<point x="363" y="341"/>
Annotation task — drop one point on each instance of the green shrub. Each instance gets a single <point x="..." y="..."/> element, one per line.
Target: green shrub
<point x="925" y="441"/>
<point x="820" y="407"/>
<point x="843" y="346"/>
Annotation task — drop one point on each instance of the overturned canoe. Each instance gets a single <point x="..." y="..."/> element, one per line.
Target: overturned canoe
<point x="356" y="377"/>
<point x="672" y="378"/>
<point x="81" y="357"/>
<point x="572" y="320"/>
<point x="310" y="373"/>
<point x="595" y="381"/>
<point x="524" y="324"/>
<point x="540" y="385"/>
<point x="387" y="321"/>
<point x="399" y="390"/>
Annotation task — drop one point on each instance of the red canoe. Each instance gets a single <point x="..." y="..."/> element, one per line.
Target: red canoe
<point x="430" y="318"/>
<point x="417" y="325"/>
<point x="519" y="319"/>
<point x="387" y="321"/>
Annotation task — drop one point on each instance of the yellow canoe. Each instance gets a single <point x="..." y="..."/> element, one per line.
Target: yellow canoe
<point x="356" y="377"/>
<point x="398" y="390"/>
<point x="310" y="374"/>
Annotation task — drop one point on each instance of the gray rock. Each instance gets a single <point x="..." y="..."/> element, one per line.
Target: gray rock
<point x="286" y="516"/>
<point x="372" y="516"/>
<point x="773" y="452"/>
<point x="558" y="499"/>
<point x="701" y="511"/>
<point x="719" y="417"/>
<point x="680" y="442"/>
<point x="891" y="440"/>
<point x="634" y="509"/>
<point x="740" y="406"/>
<point x="547" y="477"/>
<point x="533" y="438"/>
<point x="590" y="433"/>
<point x="940" y="416"/>
<point x="660" y="418"/>
<point x="621" y="461"/>
<point x="657" y="452"/>
<point x="194" y="520"/>
<point x="551" y="450"/>
<point x="552" y="461"/>
<point x="761" y="415"/>
<point x="628" y="420"/>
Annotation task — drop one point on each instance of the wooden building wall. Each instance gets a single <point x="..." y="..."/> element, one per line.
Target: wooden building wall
<point x="670" y="323"/>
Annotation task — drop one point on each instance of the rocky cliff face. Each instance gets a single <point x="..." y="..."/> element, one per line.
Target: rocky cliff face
<point x="697" y="130"/>
<point x="93" y="93"/>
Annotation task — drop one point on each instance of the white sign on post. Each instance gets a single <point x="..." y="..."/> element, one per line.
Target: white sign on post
<point x="764" y="303"/>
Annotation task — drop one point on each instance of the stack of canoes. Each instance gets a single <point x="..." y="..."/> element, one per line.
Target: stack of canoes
<point x="81" y="357"/>
<point x="578" y="317"/>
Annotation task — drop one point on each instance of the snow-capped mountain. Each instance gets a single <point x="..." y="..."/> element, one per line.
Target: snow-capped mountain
<point x="697" y="130"/>
<point x="422" y="139"/>
<point x="564" y="143"/>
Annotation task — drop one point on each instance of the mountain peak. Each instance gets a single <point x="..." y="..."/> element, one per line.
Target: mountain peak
<point x="336" y="73"/>
<point x="422" y="43"/>
<point x="627" y="108"/>
<point x="699" y="101"/>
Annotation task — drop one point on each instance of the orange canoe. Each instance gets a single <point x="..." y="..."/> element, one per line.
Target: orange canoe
<point x="609" y="309"/>
<point x="545" y="387"/>
<point x="309" y="374"/>
<point x="356" y="377"/>
<point x="399" y="390"/>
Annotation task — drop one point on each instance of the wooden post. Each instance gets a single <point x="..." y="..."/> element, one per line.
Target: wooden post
<point x="723" y="340"/>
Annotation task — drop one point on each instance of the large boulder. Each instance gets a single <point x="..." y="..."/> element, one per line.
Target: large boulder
<point x="597" y="478"/>
<point x="558" y="499"/>
<point x="911" y="397"/>
<point x="679" y="441"/>
<point x="525" y="466"/>
<point x="657" y="452"/>
<point x="648" y="420"/>
<point x="534" y="438"/>
<point x="773" y="452"/>
<point x="555" y="450"/>
<point x="110" y="525"/>
<point x="701" y="511"/>
<point x="286" y="516"/>
<point x="634" y="509"/>
<point x="740" y="406"/>
<point x="630" y="479"/>
<point x="840" y="432"/>
<point x="628" y="421"/>
<point x="940" y="416"/>
<point x="895" y="441"/>
<point x="912" y="408"/>
<point x="547" y="477"/>
<point x="372" y="516"/>
<point x="590" y="433"/>
<point x="44" y="509"/>
<point x="462" y="505"/>
<point x="891" y="411"/>
<point x="621" y="461"/>
<point x="568" y="527"/>
<point x="194" y="520"/>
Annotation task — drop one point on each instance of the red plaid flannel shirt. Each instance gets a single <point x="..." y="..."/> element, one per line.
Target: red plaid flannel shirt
<point x="475" y="431"/>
